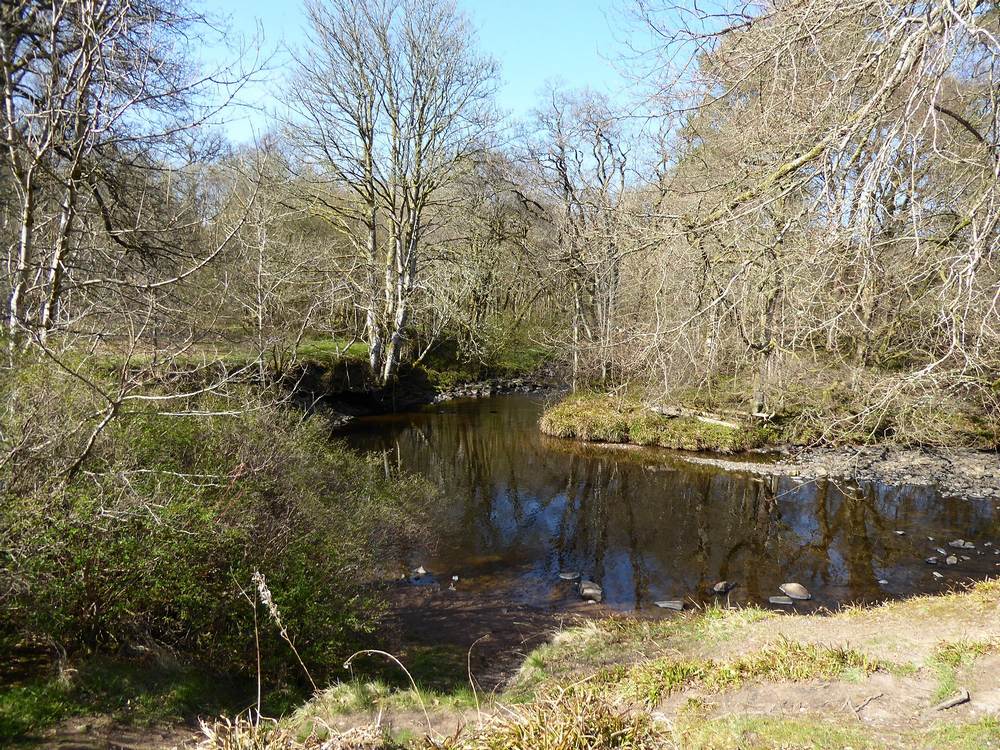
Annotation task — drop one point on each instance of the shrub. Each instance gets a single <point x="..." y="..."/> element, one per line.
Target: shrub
<point x="153" y="544"/>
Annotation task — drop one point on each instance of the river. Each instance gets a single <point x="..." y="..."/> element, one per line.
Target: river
<point x="519" y="507"/>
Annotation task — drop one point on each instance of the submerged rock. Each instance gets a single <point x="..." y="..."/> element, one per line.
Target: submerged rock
<point x="723" y="587"/>
<point x="591" y="591"/>
<point x="674" y="604"/>
<point x="795" y="591"/>
<point x="571" y="575"/>
<point x="931" y="561"/>
<point x="961" y="544"/>
<point x="783" y="600"/>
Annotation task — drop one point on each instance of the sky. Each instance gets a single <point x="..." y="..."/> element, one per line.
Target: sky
<point x="571" y="41"/>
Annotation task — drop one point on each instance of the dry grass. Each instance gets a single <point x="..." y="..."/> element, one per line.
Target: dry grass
<point x="244" y="734"/>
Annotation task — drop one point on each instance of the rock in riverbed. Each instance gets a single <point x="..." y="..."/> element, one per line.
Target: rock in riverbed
<point x="786" y="601"/>
<point x="951" y="560"/>
<point x="674" y="604"/>
<point x="591" y="591"/>
<point x="795" y="591"/>
<point x="570" y="575"/>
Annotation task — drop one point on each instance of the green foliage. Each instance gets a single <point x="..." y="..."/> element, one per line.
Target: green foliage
<point x="137" y="691"/>
<point x="155" y="541"/>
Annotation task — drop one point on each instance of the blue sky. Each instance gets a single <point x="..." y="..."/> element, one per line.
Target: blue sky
<point x="574" y="41"/>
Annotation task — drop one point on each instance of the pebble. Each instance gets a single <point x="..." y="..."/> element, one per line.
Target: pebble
<point x="569" y="576"/>
<point x="900" y="533"/>
<point x="931" y="561"/>
<point x="795" y="590"/>
<point x="784" y="600"/>
<point x="674" y="604"/>
<point x="951" y="560"/>
<point x="882" y="582"/>
<point x="937" y="575"/>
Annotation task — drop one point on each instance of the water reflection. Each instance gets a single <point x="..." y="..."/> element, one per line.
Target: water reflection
<point x="521" y="507"/>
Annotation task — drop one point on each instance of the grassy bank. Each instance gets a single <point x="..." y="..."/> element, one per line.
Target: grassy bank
<point x="803" y="417"/>
<point x="713" y="679"/>
<point x="604" y="418"/>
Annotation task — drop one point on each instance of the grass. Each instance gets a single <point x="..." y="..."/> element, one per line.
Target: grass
<point x="978" y="735"/>
<point x="604" y="418"/>
<point x="605" y="683"/>
<point x="752" y="732"/>
<point x="139" y="693"/>
<point x="949" y="658"/>
<point x="786" y="661"/>
<point x="330" y="351"/>
<point x="368" y="697"/>
<point x="563" y="721"/>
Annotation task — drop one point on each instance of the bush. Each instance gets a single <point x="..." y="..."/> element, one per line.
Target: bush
<point x="154" y="543"/>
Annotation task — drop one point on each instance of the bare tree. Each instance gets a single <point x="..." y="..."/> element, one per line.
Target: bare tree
<point x="390" y="98"/>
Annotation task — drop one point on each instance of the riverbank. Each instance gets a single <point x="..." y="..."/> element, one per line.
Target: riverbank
<point x="956" y="472"/>
<point x="912" y="673"/>
<point x="771" y="448"/>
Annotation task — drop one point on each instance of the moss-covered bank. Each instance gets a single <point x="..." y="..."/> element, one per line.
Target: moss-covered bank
<point x="604" y="418"/>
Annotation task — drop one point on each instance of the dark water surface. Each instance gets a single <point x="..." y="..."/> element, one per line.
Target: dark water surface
<point x="519" y="507"/>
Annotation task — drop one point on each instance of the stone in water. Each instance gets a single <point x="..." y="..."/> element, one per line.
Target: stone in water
<point x="674" y="604"/>
<point x="951" y="560"/>
<point x="931" y="561"/>
<point x="784" y="600"/>
<point x="795" y="590"/>
<point x="569" y="576"/>
<point x="938" y="575"/>
<point x="591" y="591"/>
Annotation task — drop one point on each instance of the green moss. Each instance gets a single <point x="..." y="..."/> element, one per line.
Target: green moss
<point x="608" y="419"/>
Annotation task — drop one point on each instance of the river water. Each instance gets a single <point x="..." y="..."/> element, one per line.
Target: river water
<point x="519" y="507"/>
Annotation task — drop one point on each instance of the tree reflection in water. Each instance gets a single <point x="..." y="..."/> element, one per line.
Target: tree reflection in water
<point x="519" y="507"/>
